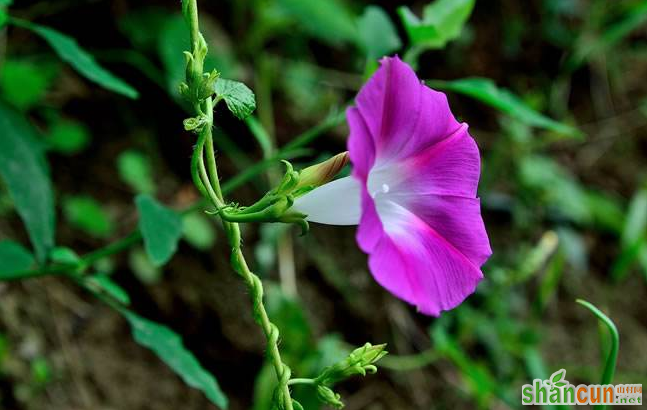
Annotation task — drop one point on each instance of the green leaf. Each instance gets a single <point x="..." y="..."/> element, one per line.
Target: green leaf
<point x="143" y="268"/>
<point x="105" y="284"/>
<point x="161" y="228"/>
<point x="442" y="21"/>
<point x="14" y="258"/>
<point x="199" y="231"/>
<point x="239" y="98"/>
<point x="333" y="22"/>
<point x="24" y="170"/>
<point x="69" y="50"/>
<point x="633" y="237"/>
<point x="87" y="214"/>
<point x="485" y="91"/>
<point x="635" y="225"/>
<point x="168" y="346"/>
<point x="61" y="254"/>
<point x="378" y="36"/>
<point x="135" y="170"/>
<point x="24" y="84"/>
<point x="68" y="137"/>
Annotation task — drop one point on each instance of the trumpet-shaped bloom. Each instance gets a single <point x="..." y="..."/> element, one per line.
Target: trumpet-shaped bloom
<point x="412" y="192"/>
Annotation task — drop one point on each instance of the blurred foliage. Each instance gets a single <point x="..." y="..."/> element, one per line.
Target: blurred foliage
<point x="554" y="94"/>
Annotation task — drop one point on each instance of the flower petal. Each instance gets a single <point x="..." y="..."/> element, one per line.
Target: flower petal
<point x="361" y="148"/>
<point x="402" y="114"/>
<point x="370" y="228"/>
<point x="456" y="219"/>
<point x="449" y="167"/>
<point x="416" y="264"/>
<point x="334" y="203"/>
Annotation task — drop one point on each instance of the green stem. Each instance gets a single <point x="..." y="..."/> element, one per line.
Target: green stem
<point x="206" y="179"/>
<point x="612" y="358"/>
<point x="610" y="364"/>
<point x="301" y="381"/>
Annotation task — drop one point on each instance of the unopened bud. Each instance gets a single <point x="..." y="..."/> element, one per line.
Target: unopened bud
<point x="324" y="172"/>
<point x="329" y="397"/>
<point x="359" y="362"/>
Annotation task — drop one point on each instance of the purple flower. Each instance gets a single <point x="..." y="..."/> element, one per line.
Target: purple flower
<point x="412" y="192"/>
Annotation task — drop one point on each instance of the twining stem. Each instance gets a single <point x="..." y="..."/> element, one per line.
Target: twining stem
<point x="206" y="179"/>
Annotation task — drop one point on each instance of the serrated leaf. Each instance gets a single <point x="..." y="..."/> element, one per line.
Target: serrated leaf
<point x="87" y="214"/>
<point x="442" y="21"/>
<point x="161" y="228"/>
<point x="378" y="36"/>
<point x="14" y="258"/>
<point x="69" y="50"/>
<point x="168" y="346"/>
<point x="135" y="170"/>
<point x="239" y="98"/>
<point x="23" y="168"/>
<point x="485" y="91"/>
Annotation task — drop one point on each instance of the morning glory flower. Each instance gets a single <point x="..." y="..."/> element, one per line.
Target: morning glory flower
<point x="412" y="192"/>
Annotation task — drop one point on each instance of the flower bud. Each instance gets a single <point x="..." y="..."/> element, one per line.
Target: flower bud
<point x="324" y="172"/>
<point x="360" y="361"/>
<point x="329" y="397"/>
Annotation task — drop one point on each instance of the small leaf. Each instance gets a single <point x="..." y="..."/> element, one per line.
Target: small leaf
<point x="442" y="21"/>
<point x="69" y="50"/>
<point x="485" y="91"/>
<point x="107" y="285"/>
<point x="68" y="137"/>
<point x="199" y="231"/>
<point x="161" y="228"/>
<point x="24" y="170"/>
<point x="169" y="347"/>
<point x="377" y="34"/>
<point x="61" y="254"/>
<point x="14" y="258"/>
<point x="135" y="170"/>
<point x="239" y="98"/>
<point x="560" y="384"/>
<point x="87" y="214"/>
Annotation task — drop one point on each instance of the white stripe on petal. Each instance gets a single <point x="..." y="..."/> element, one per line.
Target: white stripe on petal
<point x="334" y="203"/>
